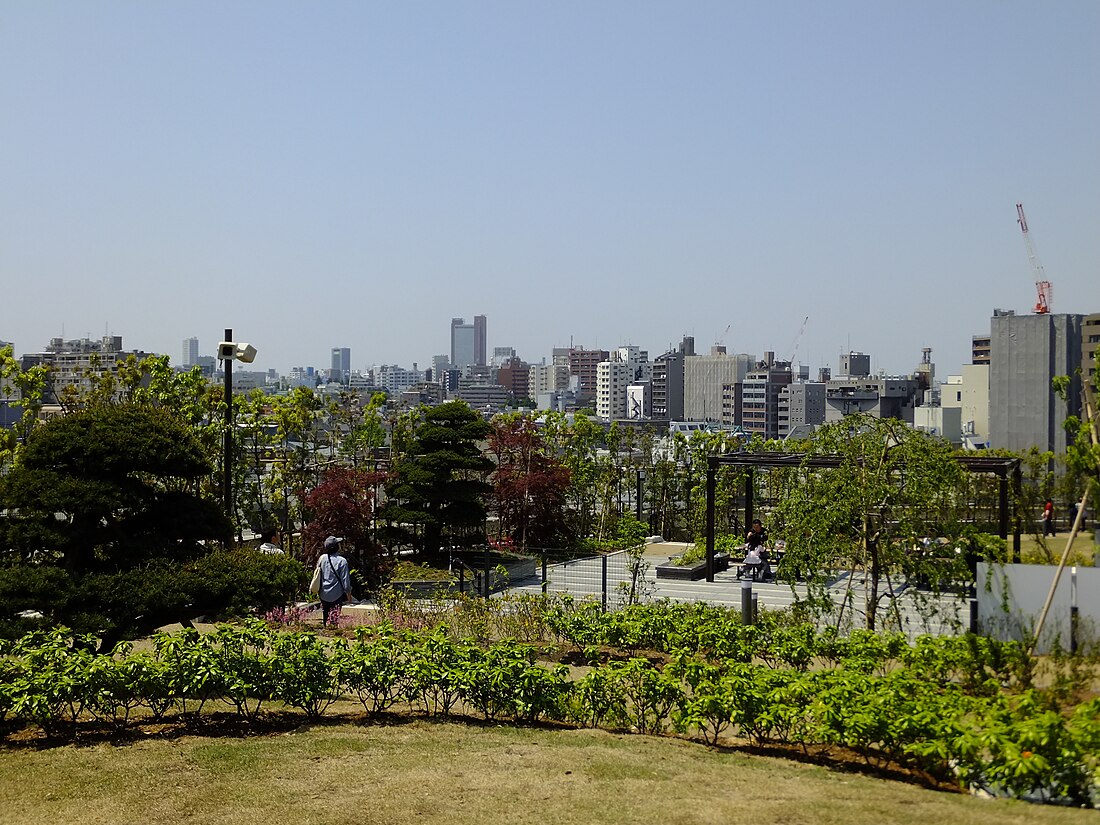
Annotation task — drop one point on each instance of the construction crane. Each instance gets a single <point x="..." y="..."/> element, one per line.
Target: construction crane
<point x="1042" y="285"/>
<point x="798" y="340"/>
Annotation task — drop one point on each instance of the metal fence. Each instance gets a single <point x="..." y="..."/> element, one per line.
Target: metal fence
<point x="607" y="577"/>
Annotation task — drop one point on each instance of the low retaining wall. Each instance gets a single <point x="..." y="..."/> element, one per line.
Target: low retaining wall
<point x="693" y="572"/>
<point x="424" y="588"/>
<point x="1011" y="597"/>
<point x="515" y="568"/>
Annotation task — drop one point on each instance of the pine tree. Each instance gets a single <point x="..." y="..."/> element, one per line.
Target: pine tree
<point x="438" y="487"/>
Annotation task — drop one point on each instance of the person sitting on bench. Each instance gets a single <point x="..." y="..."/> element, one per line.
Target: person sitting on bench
<point x="755" y="540"/>
<point x="754" y="563"/>
<point x="757" y="535"/>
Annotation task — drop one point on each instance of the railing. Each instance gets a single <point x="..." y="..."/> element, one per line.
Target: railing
<point x="590" y="576"/>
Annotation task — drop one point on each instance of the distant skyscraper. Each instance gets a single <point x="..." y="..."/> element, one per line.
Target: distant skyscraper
<point x="190" y="352"/>
<point x="468" y="342"/>
<point x="340" y="369"/>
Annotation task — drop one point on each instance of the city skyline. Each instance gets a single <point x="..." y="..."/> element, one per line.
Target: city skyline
<point x="328" y="363"/>
<point x="614" y="175"/>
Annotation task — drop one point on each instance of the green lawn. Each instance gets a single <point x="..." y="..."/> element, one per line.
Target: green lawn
<point x="1048" y="550"/>
<point x="424" y="772"/>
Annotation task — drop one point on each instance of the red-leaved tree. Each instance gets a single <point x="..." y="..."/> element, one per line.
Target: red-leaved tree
<point x="343" y="505"/>
<point x="529" y="486"/>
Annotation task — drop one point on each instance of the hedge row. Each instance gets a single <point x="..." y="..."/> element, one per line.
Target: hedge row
<point x="1012" y="743"/>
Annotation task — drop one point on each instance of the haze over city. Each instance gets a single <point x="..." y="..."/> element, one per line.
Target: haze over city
<point x="356" y="174"/>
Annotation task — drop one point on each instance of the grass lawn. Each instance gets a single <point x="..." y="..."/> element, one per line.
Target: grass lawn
<point x="1048" y="550"/>
<point x="427" y="772"/>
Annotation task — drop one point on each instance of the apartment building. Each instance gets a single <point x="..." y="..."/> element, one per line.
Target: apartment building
<point x="627" y="365"/>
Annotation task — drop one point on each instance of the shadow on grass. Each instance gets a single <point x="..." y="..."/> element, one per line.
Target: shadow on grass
<point x="229" y="725"/>
<point x="843" y="760"/>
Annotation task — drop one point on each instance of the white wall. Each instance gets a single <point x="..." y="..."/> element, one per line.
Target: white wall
<point x="1011" y="598"/>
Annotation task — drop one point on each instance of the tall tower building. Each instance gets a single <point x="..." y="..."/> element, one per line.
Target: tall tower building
<point x="480" y="348"/>
<point x="190" y="353"/>
<point x="468" y="342"/>
<point x="340" y="368"/>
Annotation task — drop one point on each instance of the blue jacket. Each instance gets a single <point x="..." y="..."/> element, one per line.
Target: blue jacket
<point x="335" y="577"/>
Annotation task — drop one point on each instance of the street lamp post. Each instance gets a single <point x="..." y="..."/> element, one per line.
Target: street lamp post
<point x="227" y="440"/>
<point x="230" y="351"/>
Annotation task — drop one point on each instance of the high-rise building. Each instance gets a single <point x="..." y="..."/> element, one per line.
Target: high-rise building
<point x="468" y="342"/>
<point x="668" y="381"/>
<point x="514" y="376"/>
<point x="73" y="363"/>
<point x="1026" y="353"/>
<point x="340" y="368"/>
<point x="480" y="343"/>
<point x="394" y="379"/>
<point x="502" y="356"/>
<point x="800" y="404"/>
<point x="627" y="365"/>
<point x="190" y="353"/>
<point x="760" y="392"/>
<point x="583" y="364"/>
<point x="1090" y="344"/>
<point x="547" y="378"/>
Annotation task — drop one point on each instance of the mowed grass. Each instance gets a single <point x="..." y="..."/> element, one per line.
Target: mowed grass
<point x="1033" y="551"/>
<point x="427" y="772"/>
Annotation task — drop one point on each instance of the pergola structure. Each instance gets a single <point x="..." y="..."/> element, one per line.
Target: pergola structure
<point x="1007" y="471"/>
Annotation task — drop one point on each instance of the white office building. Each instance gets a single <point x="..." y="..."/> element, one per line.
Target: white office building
<point x="627" y="365"/>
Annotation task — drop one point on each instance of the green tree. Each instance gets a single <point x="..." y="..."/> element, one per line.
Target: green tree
<point x="1082" y="457"/>
<point x="366" y="433"/>
<point x="104" y="503"/>
<point x="575" y="445"/>
<point x="294" y="449"/>
<point x="437" y="489"/>
<point x="21" y="388"/>
<point x="894" y="487"/>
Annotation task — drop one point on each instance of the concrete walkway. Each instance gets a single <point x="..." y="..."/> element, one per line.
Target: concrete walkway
<point x="920" y="612"/>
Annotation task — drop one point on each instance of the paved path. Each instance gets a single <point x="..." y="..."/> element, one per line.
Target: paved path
<point x="584" y="578"/>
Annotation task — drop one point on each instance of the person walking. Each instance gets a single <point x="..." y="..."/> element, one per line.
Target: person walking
<point x="335" y="578"/>
<point x="1048" y="519"/>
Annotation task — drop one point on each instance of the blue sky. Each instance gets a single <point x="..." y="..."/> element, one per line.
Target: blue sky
<point x="355" y="174"/>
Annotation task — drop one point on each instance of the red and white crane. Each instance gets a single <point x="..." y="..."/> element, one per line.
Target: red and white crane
<point x="1042" y="285"/>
